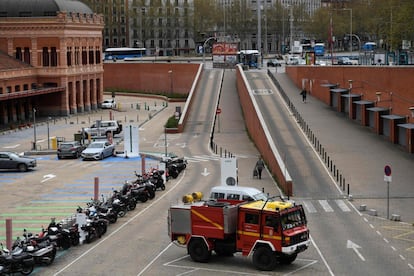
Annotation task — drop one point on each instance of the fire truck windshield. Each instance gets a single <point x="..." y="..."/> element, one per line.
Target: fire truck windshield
<point x="292" y="219"/>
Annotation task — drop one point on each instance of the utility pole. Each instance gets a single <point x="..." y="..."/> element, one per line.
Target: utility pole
<point x="291" y="28"/>
<point x="259" y="26"/>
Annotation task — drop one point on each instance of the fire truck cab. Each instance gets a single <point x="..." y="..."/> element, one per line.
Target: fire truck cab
<point x="272" y="232"/>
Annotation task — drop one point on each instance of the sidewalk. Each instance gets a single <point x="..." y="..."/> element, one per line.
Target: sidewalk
<point x="360" y="155"/>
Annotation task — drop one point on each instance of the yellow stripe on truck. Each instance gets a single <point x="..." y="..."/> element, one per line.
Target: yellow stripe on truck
<point x="207" y="219"/>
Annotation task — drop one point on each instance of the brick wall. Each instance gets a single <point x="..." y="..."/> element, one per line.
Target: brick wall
<point x="157" y="78"/>
<point x="365" y="80"/>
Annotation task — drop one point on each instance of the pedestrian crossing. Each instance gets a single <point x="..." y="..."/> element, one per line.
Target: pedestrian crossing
<point x="204" y="158"/>
<point x="325" y="206"/>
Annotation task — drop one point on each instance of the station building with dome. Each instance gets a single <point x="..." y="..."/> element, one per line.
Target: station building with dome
<point x="50" y="59"/>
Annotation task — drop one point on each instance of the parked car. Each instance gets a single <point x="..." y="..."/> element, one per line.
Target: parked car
<point x="108" y="104"/>
<point x="273" y="63"/>
<point x="98" y="150"/>
<point x="344" y="61"/>
<point x="13" y="161"/>
<point x="103" y="128"/>
<point x="71" y="149"/>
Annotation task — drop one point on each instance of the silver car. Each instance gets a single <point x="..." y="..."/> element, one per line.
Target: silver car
<point x="13" y="161"/>
<point x="98" y="150"/>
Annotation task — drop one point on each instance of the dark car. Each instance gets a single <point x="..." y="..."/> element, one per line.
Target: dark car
<point x="71" y="149"/>
<point x="13" y="161"/>
<point x="273" y="63"/>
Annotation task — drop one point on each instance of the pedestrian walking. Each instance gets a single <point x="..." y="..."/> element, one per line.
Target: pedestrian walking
<point x="303" y="93"/>
<point x="259" y="167"/>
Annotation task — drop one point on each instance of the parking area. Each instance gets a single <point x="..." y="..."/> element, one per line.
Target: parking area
<point x="56" y="187"/>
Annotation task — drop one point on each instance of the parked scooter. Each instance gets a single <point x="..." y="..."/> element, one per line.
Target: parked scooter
<point x="15" y="261"/>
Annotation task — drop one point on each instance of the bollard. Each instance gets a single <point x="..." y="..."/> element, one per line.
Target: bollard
<point x="142" y="164"/>
<point x="9" y="233"/>
<point x="96" y="188"/>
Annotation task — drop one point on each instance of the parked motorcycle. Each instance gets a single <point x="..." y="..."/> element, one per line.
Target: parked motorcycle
<point x="42" y="249"/>
<point x="175" y="166"/>
<point x="127" y="199"/>
<point x="62" y="237"/>
<point x="94" y="229"/>
<point x="156" y="179"/>
<point x="143" y="182"/>
<point x="15" y="261"/>
<point x="101" y="210"/>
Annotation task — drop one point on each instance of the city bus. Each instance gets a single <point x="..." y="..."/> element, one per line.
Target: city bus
<point x="249" y="57"/>
<point x="319" y="49"/>
<point x="124" y="53"/>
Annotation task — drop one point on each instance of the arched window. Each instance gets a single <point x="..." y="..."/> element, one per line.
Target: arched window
<point x="45" y="57"/>
<point x="19" y="53"/>
<point x="53" y="57"/>
<point x="26" y="57"/>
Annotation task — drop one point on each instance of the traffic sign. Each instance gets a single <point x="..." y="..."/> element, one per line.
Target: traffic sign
<point x="387" y="170"/>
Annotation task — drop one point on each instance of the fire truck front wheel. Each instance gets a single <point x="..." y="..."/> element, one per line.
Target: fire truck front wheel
<point x="287" y="259"/>
<point x="199" y="251"/>
<point x="264" y="258"/>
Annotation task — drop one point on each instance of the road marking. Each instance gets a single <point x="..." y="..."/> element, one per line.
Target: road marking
<point x="47" y="177"/>
<point x="205" y="172"/>
<point x="342" y="205"/>
<point x="12" y="147"/>
<point x="309" y="206"/>
<point x="355" y="247"/>
<point x="325" y="205"/>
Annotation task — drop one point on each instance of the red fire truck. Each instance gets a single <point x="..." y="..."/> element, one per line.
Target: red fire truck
<point x="273" y="232"/>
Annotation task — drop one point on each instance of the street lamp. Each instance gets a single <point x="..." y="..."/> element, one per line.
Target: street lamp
<point x="34" y="128"/>
<point x="170" y="72"/>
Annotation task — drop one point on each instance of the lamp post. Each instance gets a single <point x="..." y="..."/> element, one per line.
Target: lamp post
<point x="48" y="133"/>
<point x="259" y="26"/>
<point x="170" y="72"/>
<point x="350" y="99"/>
<point x="204" y="48"/>
<point x="350" y="29"/>
<point x="34" y="128"/>
<point x="165" y="139"/>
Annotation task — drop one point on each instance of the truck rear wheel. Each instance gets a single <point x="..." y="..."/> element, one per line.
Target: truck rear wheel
<point x="264" y="259"/>
<point x="199" y="251"/>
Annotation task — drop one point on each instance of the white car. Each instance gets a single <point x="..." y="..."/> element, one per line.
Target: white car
<point x="98" y="150"/>
<point x="108" y="104"/>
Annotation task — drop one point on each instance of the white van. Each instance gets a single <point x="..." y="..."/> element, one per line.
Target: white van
<point x="236" y="194"/>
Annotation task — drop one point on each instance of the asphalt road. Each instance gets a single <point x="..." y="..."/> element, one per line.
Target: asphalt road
<point x="138" y="244"/>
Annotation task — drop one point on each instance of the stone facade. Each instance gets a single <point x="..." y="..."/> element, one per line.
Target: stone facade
<point x="59" y="69"/>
